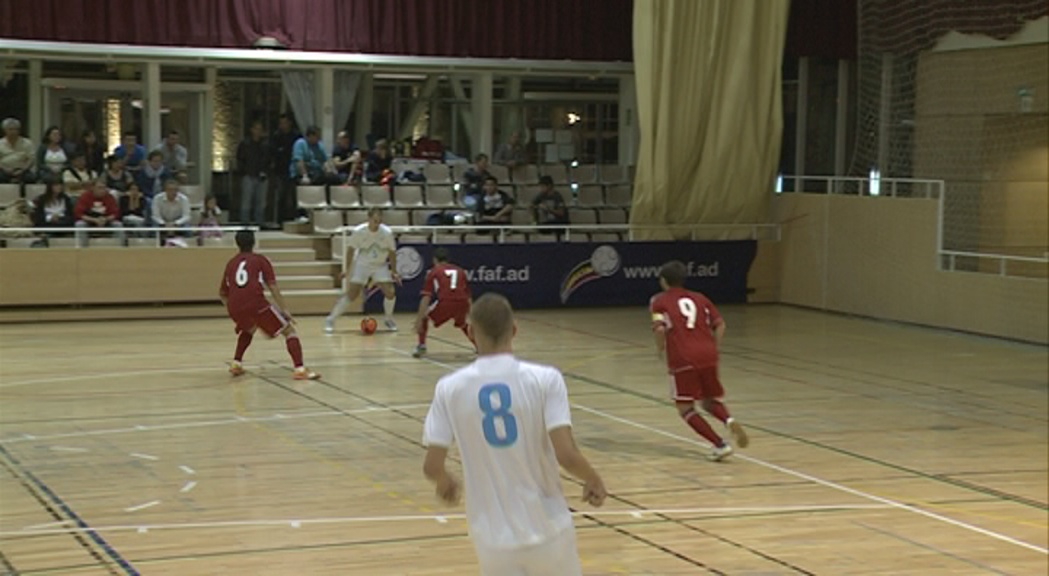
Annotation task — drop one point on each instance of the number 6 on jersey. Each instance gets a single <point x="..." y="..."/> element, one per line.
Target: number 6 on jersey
<point x="498" y="424"/>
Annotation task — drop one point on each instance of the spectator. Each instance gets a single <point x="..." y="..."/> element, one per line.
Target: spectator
<point x="96" y="208"/>
<point x="209" y="220"/>
<point x="17" y="154"/>
<point x="495" y="206"/>
<point x="281" y="145"/>
<point x="511" y="153"/>
<point x="53" y="208"/>
<point x="474" y="180"/>
<point x="93" y="151"/>
<point x="78" y="177"/>
<point x="378" y="163"/>
<point x="171" y="210"/>
<point x="253" y="157"/>
<point x="134" y="207"/>
<point x="346" y="160"/>
<point x="117" y="176"/>
<point x="153" y="175"/>
<point x="53" y="154"/>
<point x="548" y="208"/>
<point x="175" y="156"/>
<point x="308" y="158"/>
<point x="133" y="153"/>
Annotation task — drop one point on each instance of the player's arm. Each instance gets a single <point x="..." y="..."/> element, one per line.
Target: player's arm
<point x="438" y="436"/>
<point x="269" y="277"/>
<point x="558" y="419"/>
<point x="392" y="258"/>
<point x="659" y="331"/>
<point x="224" y="291"/>
<point x="348" y="259"/>
<point x="719" y="331"/>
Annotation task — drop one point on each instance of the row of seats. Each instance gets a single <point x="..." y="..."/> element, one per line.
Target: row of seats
<point x="328" y="221"/>
<point x="438" y="173"/>
<point x="474" y="238"/>
<point x="444" y="196"/>
<point x="11" y="192"/>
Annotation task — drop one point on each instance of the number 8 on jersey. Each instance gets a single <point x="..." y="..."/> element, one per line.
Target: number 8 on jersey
<point x="498" y="423"/>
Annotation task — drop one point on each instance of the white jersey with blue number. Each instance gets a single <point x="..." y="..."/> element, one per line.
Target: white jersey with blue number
<point x="499" y="410"/>
<point x="372" y="248"/>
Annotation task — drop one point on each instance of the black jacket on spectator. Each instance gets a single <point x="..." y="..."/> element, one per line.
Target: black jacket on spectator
<point x="40" y="213"/>
<point x="375" y="165"/>
<point x="281" y="144"/>
<point x="253" y="157"/>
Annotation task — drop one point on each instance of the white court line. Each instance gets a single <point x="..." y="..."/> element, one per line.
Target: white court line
<point x="47" y="525"/>
<point x="187" y="470"/>
<point x="439" y="518"/>
<point x="67" y="449"/>
<point x="802" y="475"/>
<point x="142" y="506"/>
<point x="827" y="483"/>
<point x="206" y="423"/>
<point x="188" y="487"/>
<point x="143" y="456"/>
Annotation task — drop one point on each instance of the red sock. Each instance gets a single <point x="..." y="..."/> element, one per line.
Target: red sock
<point x="716" y="409"/>
<point x="423" y="331"/>
<point x="701" y="427"/>
<point x="295" y="349"/>
<point x="243" y="341"/>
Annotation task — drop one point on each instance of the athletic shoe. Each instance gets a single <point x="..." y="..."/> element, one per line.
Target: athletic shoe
<point x="235" y="369"/>
<point x="420" y="351"/>
<point x="719" y="453"/>
<point x="306" y="374"/>
<point x="738" y="433"/>
<point x="329" y="326"/>
<point x="391" y="325"/>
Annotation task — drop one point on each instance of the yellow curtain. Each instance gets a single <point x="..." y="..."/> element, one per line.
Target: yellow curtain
<point x="709" y="108"/>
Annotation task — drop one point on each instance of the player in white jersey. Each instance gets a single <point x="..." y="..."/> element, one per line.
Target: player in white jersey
<point x="512" y="422"/>
<point x="371" y="255"/>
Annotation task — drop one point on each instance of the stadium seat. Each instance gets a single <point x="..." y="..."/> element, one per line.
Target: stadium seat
<point x="34" y="190"/>
<point x="526" y="194"/>
<point x="345" y="197"/>
<point x="375" y="196"/>
<point x="582" y="216"/>
<point x="8" y="194"/>
<point x="578" y="237"/>
<point x="355" y="217"/>
<point x="311" y="197"/>
<point x="590" y="197"/>
<point x="419" y="217"/>
<point x="500" y="173"/>
<point x="612" y="216"/>
<point x="408" y="196"/>
<point x="448" y="239"/>
<point x="613" y="174"/>
<point x="585" y="174"/>
<point x="458" y="170"/>
<point x="556" y="171"/>
<point x="437" y="173"/>
<point x="397" y="218"/>
<point x="440" y="196"/>
<point x="521" y="217"/>
<point x="605" y="237"/>
<point x="196" y="195"/>
<point x="527" y="174"/>
<point x="536" y="238"/>
<point x="327" y="221"/>
<point x="413" y="239"/>
<point x="620" y="195"/>
<point x="478" y="238"/>
<point x="515" y="237"/>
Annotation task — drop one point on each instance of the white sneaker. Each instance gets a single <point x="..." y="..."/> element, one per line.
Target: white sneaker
<point x="420" y="351"/>
<point x="738" y="434"/>
<point x="390" y="325"/>
<point x="720" y="453"/>
<point x="329" y="326"/>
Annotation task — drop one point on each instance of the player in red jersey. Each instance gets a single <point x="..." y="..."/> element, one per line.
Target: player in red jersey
<point x="242" y="290"/>
<point x="447" y="284"/>
<point x="688" y="328"/>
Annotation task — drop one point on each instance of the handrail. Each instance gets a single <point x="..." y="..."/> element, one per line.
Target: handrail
<point x="567" y="229"/>
<point x="933" y="188"/>
<point x="1003" y="260"/>
<point x="156" y="232"/>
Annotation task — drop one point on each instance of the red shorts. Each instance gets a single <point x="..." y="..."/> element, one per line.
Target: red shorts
<point x="269" y="319"/>
<point x="456" y="310"/>
<point x="691" y="384"/>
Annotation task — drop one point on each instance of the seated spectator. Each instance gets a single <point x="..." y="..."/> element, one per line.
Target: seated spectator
<point x="175" y="156"/>
<point x="53" y="208"/>
<point x="93" y="151"/>
<point x="495" y="206"/>
<point x="209" y="218"/>
<point x="96" y="208"/>
<point x="153" y="175"/>
<point x="78" y="176"/>
<point x="379" y="162"/>
<point x="133" y="153"/>
<point x="171" y="210"/>
<point x="134" y="207"/>
<point x="474" y="179"/>
<point x="511" y="153"/>
<point x="346" y="160"/>
<point x="117" y="177"/>
<point x="53" y="155"/>
<point x="17" y="154"/>
<point x="308" y="158"/>
<point x="16" y="216"/>
<point x="548" y="207"/>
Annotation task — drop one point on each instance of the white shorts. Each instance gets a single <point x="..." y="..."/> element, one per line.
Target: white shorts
<point x="555" y="557"/>
<point x="364" y="271"/>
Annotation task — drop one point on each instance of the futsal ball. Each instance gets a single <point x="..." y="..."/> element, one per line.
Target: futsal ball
<point x="369" y="326"/>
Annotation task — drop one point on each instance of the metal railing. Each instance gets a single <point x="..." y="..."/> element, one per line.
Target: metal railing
<point x="158" y="235"/>
<point x="748" y="231"/>
<point x="865" y="186"/>
<point x="949" y="261"/>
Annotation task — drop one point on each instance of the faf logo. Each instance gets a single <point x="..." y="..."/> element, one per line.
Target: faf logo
<point x="604" y="262"/>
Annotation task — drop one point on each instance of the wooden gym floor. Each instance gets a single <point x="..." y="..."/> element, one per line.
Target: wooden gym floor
<point x="876" y="449"/>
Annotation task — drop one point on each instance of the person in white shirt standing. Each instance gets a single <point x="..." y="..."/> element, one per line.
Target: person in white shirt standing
<point x="512" y="422"/>
<point x="371" y="255"/>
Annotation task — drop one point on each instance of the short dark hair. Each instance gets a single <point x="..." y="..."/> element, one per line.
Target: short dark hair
<point x="674" y="273"/>
<point x="490" y="178"/>
<point x="155" y="154"/>
<point x="546" y="180"/>
<point x="480" y="157"/>
<point x="440" y="254"/>
<point x="492" y="316"/>
<point x="173" y="133"/>
<point x="245" y="240"/>
<point x="374" y="210"/>
<point x="77" y="153"/>
<point x="313" y="131"/>
<point x="130" y="133"/>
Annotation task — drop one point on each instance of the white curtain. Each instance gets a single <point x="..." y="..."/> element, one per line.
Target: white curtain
<point x="346" y="86"/>
<point x="298" y="85"/>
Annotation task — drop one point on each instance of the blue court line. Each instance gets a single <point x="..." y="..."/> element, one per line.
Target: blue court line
<point x="109" y="550"/>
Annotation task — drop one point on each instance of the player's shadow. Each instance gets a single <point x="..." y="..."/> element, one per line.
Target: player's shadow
<point x="618" y="446"/>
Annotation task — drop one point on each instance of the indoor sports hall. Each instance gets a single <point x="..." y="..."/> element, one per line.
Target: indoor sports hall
<point x="861" y="188"/>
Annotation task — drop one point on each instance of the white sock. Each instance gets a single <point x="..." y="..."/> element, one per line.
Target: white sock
<point x="340" y="308"/>
<point x="388" y="305"/>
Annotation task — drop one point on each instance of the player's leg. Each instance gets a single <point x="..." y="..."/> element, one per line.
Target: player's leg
<point x="353" y="290"/>
<point x="244" y="338"/>
<point x="494" y="562"/>
<point x="713" y="392"/>
<point x="291" y="341"/>
<point x="558" y="555"/>
<point x="687" y="388"/>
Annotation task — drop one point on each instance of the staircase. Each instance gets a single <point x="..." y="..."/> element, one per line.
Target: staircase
<point x="305" y="270"/>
